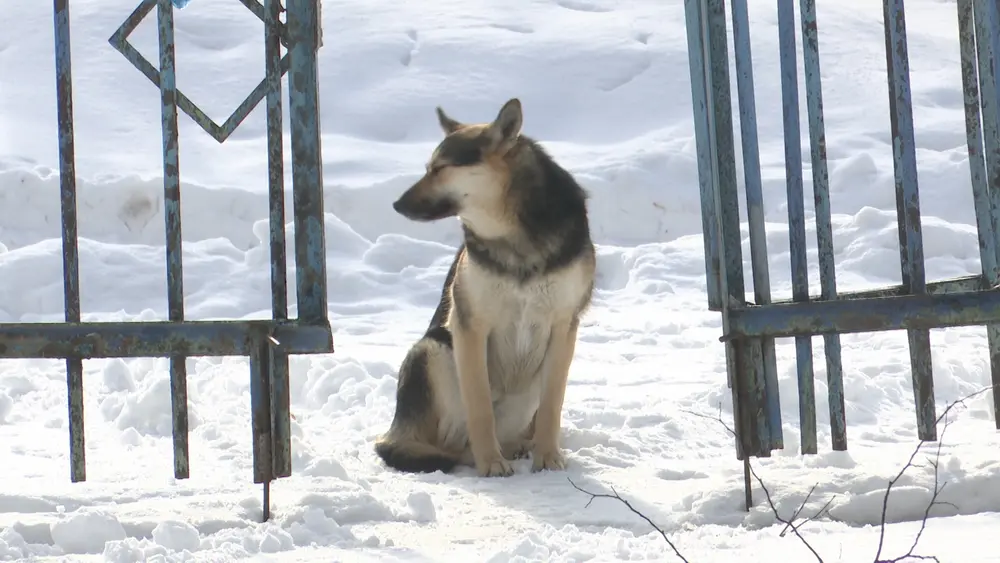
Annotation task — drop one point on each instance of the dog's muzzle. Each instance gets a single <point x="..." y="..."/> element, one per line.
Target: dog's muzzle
<point x="422" y="209"/>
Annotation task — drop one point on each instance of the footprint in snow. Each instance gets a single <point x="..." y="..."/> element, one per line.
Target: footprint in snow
<point x="407" y="58"/>
<point x="582" y="6"/>
<point x="513" y="27"/>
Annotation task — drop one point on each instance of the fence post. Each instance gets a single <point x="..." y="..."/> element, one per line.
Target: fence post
<point x="916" y="305"/>
<point x="71" y="252"/>
<point x="267" y="342"/>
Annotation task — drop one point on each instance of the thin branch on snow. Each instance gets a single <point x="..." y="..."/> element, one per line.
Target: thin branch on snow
<point x="790" y="523"/>
<point x="793" y="525"/>
<point x="938" y="486"/>
<point x="628" y="505"/>
<point x="821" y="512"/>
<point x="796" y="521"/>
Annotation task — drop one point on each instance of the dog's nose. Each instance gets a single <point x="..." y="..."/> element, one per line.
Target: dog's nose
<point x="396" y="205"/>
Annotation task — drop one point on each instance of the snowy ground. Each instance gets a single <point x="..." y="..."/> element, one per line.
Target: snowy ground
<point x="605" y="85"/>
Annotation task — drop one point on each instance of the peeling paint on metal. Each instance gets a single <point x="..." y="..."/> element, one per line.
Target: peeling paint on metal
<point x="911" y="250"/>
<point x="824" y="236"/>
<point x="70" y="241"/>
<point x="703" y="109"/>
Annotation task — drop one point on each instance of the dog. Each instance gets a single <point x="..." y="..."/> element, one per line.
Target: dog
<point x="485" y="384"/>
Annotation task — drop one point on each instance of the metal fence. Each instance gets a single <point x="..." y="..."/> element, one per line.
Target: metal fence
<point x="267" y="343"/>
<point x="749" y="328"/>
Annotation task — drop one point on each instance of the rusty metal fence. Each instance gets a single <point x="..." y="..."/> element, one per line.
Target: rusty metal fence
<point x="267" y="343"/>
<point x="749" y="328"/>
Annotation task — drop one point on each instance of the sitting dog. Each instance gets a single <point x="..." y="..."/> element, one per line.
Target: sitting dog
<point x="486" y="382"/>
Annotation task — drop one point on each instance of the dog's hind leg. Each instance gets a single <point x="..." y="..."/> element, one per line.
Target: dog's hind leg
<point x="411" y="443"/>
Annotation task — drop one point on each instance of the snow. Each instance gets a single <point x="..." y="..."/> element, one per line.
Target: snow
<point x="604" y="85"/>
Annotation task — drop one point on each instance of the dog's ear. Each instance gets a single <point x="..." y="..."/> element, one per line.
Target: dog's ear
<point x="507" y="126"/>
<point x="508" y="121"/>
<point x="448" y="125"/>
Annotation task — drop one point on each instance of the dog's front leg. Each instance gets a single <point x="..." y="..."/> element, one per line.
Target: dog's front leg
<point x="473" y="381"/>
<point x="548" y="419"/>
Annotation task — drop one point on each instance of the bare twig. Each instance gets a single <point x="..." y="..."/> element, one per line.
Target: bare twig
<point x="821" y="512"/>
<point x="935" y="462"/>
<point x="938" y="487"/>
<point x="798" y="510"/>
<point x="628" y="505"/>
<point x="795" y="522"/>
<point x="790" y="524"/>
<point x="713" y="419"/>
<point x="793" y="525"/>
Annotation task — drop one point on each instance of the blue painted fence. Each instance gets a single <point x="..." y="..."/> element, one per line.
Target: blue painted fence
<point x="267" y="343"/>
<point x="749" y="328"/>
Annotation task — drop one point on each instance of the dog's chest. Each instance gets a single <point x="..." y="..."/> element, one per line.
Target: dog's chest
<point x="519" y="318"/>
<point x="518" y="340"/>
<point x="520" y="305"/>
<point x="524" y="321"/>
<point x="523" y="317"/>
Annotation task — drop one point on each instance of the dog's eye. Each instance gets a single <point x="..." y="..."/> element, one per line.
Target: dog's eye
<point x="465" y="156"/>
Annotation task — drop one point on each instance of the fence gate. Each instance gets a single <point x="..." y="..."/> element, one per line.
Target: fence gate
<point x="749" y="328"/>
<point x="267" y="343"/>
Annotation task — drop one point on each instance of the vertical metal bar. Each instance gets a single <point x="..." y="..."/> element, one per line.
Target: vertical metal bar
<point x="733" y="350"/>
<point x="758" y="417"/>
<point x="796" y="207"/>
<point x="701" y="103"/>
<point x="908" y="208"/>
<point x="987" y="25"/>
<point x="973" y="132"/>
<point x="260" y="417"/>
<point x="824" y="243"/>
<point x="307" y="161"/>
<point x="275" y="161"/>
<point x="748" y="382"/>
<point x="70" y="244"/>
<point x="725" y="159"/>
<point x="987" y="30"/>
<point x="260" y="408"/>
<point x="977" y="172"/>
<point x="172" y="219"/>
<point x="835" y="391"/>
<point x="281" y="424"/>
<point x="708" y="169"/>
<point x="281" y="414"/>
<point x="266" y="503"/>
<point x="755" y="209"/>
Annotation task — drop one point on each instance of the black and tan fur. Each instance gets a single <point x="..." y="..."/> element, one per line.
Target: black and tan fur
<point x="486" y="382"/>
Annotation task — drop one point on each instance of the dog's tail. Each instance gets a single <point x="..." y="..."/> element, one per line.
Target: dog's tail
<point x="412" y="456"/>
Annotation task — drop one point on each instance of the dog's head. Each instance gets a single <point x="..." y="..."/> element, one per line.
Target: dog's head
<point x="467" y="174"/>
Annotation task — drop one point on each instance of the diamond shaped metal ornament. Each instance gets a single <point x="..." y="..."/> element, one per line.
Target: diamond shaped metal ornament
<point x="219" y="132"/>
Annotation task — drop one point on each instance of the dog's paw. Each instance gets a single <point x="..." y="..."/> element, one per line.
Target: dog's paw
<point x="517" y="450"/>
<point x="496" y="467"/>
<point x="552" y="460"/>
